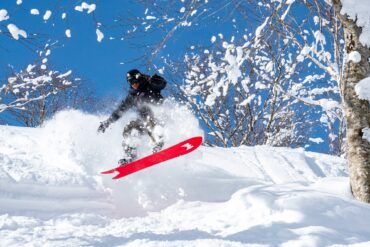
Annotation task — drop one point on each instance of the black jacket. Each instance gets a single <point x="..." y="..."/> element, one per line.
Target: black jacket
<point x="147" y="93"/>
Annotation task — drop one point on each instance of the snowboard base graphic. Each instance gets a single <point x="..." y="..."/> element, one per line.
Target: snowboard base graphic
<point x="174" y="151"/>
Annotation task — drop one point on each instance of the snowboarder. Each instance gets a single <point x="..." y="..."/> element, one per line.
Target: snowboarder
<point x="144" y="91"/>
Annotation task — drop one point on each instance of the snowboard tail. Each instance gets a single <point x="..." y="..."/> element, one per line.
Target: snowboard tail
<point x="177" y="150"/>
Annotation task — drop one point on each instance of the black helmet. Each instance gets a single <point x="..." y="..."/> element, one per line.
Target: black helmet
<point x="133" y="76"/>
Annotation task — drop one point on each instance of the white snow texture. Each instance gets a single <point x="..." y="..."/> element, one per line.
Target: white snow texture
<point x="359" y="11"/>
<point x="16" y="32"/>
<point x="47" y="15"/>
<point x="52" y="194"/>
<point x="85" y="6"/>
<point x="68" y="33"/>
<point x="366" y="134"/>
<point x="34" y="12"/>
<point x="99" y="35"/>
<point x="362" y="89"/>
<point x="3" y="15"/>
<point x="354" y="56"/>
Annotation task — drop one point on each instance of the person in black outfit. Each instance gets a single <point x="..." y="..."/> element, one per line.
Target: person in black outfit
<point x="144" y="91"/>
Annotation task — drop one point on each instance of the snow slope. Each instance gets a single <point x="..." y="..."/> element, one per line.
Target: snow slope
<point x="51" y="192"/>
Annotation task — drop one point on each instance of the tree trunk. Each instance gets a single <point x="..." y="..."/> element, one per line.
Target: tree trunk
<point x="356" y="111"/>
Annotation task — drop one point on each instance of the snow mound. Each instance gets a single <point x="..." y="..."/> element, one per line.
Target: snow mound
<point x="56" y="168"/>
<point x="52" y="192"/>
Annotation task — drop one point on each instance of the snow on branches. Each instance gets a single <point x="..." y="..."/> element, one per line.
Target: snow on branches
<point x="358" y="10"/>
<point x="165" y="19"/>
<point x="366" y="134"/>
<point x="234" y="90"/>
<point x="35" y="83"/>
<point x="285" y="63"/>
<point x="362" y="89"/>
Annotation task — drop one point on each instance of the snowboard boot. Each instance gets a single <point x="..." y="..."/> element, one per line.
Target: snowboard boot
<point x="124" y="161"/>
<point x="158" y="147"/>
<point x="130" y="153"/>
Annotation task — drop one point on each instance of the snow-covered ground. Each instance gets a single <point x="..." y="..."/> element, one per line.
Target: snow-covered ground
<point x="51" y="192"/>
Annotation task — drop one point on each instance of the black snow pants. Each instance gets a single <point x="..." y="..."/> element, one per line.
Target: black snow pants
<point x="145" y="124"/>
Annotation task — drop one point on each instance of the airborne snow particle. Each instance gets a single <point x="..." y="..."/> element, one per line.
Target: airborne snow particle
<point x="4" y="15"/>
<point x="34" y="12"/>
<point x="89" y="7"/>
<point x="99" y="35"/>
<point x="47" y="15"/>
<point x="68" y="33"/>
<point x="16" y="32"/>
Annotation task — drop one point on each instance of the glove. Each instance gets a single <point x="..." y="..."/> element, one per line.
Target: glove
<point x="103" y="126"/>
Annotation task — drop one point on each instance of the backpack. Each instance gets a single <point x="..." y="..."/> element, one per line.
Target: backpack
<point x="157" y="83"/>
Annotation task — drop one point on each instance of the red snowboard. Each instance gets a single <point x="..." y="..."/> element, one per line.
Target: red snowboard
<point x="177" y="150"/>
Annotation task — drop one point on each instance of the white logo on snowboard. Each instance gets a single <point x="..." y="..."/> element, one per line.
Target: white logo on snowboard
<point x="187" y="146"/>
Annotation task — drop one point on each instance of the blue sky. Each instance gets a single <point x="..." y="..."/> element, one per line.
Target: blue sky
<point x="99" y="63"/>
<point x="102" y="64"/>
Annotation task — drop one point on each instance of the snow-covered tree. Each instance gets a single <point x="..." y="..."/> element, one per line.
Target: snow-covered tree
<point x="289" y="68"/>
<point x="346" y="62"/>
<point x="235" y="89"/>
<point x="35" y="92"/>
<point x="29" y="89"/>
<point x="355" y="81"/>
<point x="313" y="41"/>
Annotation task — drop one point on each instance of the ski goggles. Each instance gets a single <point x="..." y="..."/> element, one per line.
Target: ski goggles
<point x="133" y="79"/>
